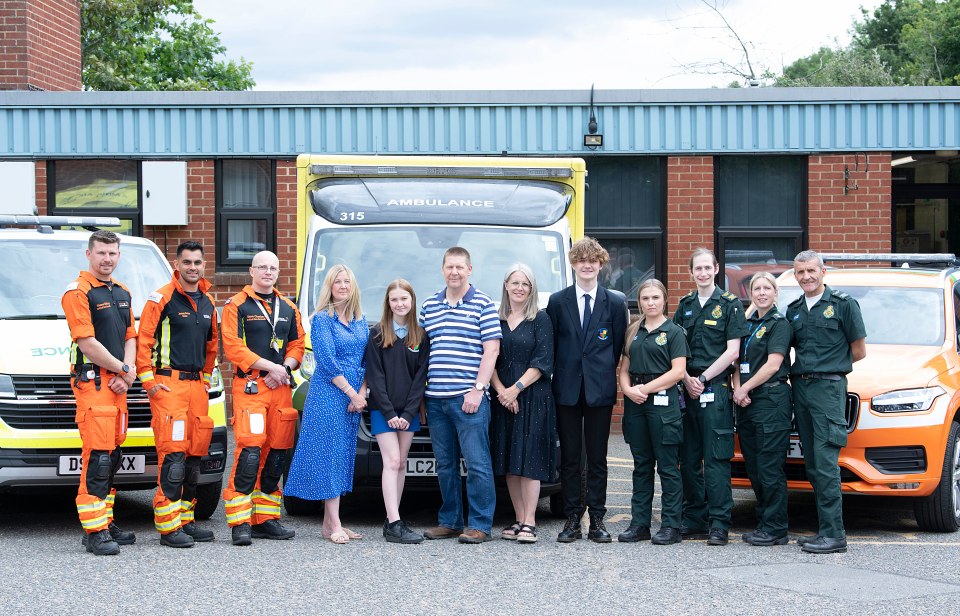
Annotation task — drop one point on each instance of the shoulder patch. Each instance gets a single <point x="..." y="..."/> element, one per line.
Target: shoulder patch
<point x="72" y="286"/>
<point x="776" y="315"/>
<point x="690" y="294"/>
<point x="839" y="294"/>
<point x="156" y="297"/>
<point x="727" y="295"/>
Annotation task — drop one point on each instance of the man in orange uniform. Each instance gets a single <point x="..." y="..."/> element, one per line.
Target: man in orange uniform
<point x="263" y="337"/>
<point x="176" y="354"/>
<point x="101" y="323"/>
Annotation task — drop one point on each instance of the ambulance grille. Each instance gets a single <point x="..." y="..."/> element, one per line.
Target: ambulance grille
<point x="47" y="403"/>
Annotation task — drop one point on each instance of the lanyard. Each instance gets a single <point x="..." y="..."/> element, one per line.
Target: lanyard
<point x="274" y="343"/>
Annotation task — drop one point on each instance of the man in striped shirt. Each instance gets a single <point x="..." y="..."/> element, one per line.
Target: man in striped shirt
<point x="464" y="332"/>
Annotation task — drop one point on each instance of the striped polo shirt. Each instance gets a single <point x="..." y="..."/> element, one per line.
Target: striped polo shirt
<point x="457" y="334"/>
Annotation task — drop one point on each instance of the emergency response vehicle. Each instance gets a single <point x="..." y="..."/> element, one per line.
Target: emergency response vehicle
<point x="390" y="217"/>
<point x="39" y="441"/>
<point x="903" y="400"/>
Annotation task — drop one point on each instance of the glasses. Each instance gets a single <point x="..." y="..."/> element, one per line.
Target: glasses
<point x="273" y="269"/>
<point x="519" y="285"/>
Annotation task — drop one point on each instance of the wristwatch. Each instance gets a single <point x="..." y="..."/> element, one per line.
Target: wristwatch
<point x="479" y="386"/>
<point x="702" y="379"/>
<point x="519" y="385"/>
<point x="125" y="368"/>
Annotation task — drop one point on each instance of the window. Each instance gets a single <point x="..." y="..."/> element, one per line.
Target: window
<point x="246" y="211"/>
<point x="96" y="188"/>
<point x="760" y="209"/>
<point x="625" y="209"/>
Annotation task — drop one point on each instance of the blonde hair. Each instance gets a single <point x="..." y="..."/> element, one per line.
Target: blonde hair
<point x="753" y="280"/>
<point x="700" y="252"/>
<point x="414" y="331"/>
<point x="351" y="308"/>
<point x="531" y="306"/>
<point x="635" y="326"/>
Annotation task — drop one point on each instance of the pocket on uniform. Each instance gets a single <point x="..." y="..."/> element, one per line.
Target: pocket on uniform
<point x="722" y="443"/>
<point x="121" y="430"/>
<point x="250" y="426"/>
<point x="200" y="436"/>
<point x="281" y="426"/>
<point x="170" y="431"/>
<point x="98" y="427"/>
<point x="672" y="430"/>
<point x="836" y="433"/>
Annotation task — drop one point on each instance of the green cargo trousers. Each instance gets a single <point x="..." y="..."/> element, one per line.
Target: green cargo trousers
<point x="654" y="434"/>
<point x="705" y="460"/>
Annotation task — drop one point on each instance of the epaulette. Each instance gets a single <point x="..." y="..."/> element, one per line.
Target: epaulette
<point x="690" y="294"/>
<point x="777" y="315"/>
<point x="727" y="295"/>
<point x="839" y="294"/>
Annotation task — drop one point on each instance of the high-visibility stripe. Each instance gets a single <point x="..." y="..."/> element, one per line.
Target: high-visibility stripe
<point x="239" y="517"/>
<point x="97" y="506"/>
<point x="109" y="501"/>
<point x="164" y="341"/>
<point x="169" y="526"/>
<point x="186" y="511"/>
<point x="146" y="376"/>
<point x="238" y="500"/>
<point x="173" y="507"/>
<point x="94" y="523"/>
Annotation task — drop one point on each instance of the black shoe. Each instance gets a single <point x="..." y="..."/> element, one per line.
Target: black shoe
<point x="240" y="534"/>
<point x="177" y="539"/>
<point x="122" y="537"/>
<point x="271" y="529"/>
<point x="747" y="536"/>
<point x="667" y="536"/>
<point x="598" y="532"/>
<point x="634" y="534"/>
<point x="399" y="532"/>
<point x="825" y="545"/>
<point x="571" y="531"/>
<point x="805" y="539"/>
<point x="198" y="534"/>
<point x="102" y="544"/>
<point x="763" y="538"/>
<point x="693" y="533"/>
<point x="718" y="536"/>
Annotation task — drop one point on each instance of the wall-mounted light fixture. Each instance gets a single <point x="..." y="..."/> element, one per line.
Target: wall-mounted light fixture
<point x="592" y="139"/>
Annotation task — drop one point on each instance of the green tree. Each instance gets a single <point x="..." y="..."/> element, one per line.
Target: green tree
<point x="155" y="45"/>
<point x="837" y="67"/>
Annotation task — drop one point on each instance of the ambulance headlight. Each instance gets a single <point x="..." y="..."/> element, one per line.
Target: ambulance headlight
<point x="6" y="387"/>
<point x="906" y="400"/>
<point x="308" y="365"/>
<point x="216" y="381"/>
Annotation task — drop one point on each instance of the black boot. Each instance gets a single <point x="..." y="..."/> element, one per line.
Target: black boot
<point x="198" y="534"/>
<point x="598" y="532"/>
<point x="571" y="531"/>
<point x="272" y="529"/>
<point x="240" y="534"/>
<point x="102" y="544"/>
<point x="122" y="537"/>
<point x="177" y="539"/>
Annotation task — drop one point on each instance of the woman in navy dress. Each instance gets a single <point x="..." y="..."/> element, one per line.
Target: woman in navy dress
<point x="322" y="467"/>
<point x="523" y="423"/>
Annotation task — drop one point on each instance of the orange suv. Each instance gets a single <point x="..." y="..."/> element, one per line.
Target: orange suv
<point x="903" y="398"/>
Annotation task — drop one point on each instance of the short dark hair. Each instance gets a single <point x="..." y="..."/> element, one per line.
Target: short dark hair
<point x="456" y="251"/>
<point x="189" y="245"/>
<point x="104" y="237"/>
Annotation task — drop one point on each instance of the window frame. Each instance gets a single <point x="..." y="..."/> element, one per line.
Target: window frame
<point x="223" y="216"/>
<point x="135" y="215"/>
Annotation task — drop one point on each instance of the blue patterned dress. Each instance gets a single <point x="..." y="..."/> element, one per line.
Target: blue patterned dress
<point x="322" y="465"/>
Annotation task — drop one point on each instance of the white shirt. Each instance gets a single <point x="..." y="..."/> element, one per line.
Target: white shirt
<point x="812" y="300"/>
<point x="593" y="300"/>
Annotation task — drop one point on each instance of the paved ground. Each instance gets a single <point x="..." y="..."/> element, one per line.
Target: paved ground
<point x="891" y="568"/>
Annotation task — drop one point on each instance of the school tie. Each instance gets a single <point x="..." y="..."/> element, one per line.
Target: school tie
<point x="586" y="317"/>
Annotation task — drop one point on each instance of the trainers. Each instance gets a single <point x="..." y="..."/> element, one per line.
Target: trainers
<point x="441" y="532"/>
<point x="399" y="532"/>
<point x="102" y="544"/>
<point x="177" y="539"/>
<point x="472" y="535"/>
<point x="272" y="529"/>
<point x="240" y="534"/>
<point x="718" y="536"/>
<point x="198" y="534"/>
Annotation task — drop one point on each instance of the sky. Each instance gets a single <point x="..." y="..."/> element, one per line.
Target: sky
<point x="520" y="44"/>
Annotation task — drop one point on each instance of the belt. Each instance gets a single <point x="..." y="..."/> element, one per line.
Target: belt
<point x="183" y="375"/>
<point x="720" y="377"/>
<point x="642" y="379"/>
<point x="826" y="376"/>
<point x="772" y="384"/>
<point x="241" y="374"/>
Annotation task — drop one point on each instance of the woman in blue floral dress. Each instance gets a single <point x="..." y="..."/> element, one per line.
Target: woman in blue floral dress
<point x="322" y="467"/>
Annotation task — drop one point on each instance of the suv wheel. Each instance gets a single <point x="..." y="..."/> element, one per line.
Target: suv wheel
<point x="208" y="499"/>
<point x="940" y="512"/>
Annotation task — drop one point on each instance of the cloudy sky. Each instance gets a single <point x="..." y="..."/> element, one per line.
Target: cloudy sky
<point x="519" y="44"/>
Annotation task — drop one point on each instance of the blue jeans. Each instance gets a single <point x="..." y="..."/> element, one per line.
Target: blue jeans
<point x="455" y="433"/>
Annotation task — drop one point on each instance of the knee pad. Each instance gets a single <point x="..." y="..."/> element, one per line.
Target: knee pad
<point x="172" y="475"/>
<point x="193" y="471"/>
<point x="273" y="470"/>
<point x="245" y="475"/>
<point x="115" y="457"/>
<point x="98" y="473"/>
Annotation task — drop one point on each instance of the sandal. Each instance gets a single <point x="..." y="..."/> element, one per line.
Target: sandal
<point x="527" y="534"/>
<point x="352" y="534"/>
<point x="339" y="536"/>
<point x="510" y="532"/>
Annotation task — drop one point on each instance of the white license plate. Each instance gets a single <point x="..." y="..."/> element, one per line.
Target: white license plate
<point x="796" y="450"/>
<point x="427" y="467"/>
<point x="129" y="465"/>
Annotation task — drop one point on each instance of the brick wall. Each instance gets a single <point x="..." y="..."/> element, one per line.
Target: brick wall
<point x="859" y="221"/>
<point x="689" y="218"/>
<point x="40" y="45"/>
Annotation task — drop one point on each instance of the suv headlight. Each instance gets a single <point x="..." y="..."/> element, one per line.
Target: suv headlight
<point x="216" y="381"/>
<point x="906" y="400"/>
<point x="307" y="365"/>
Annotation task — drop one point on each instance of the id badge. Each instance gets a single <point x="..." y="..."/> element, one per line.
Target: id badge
<point x="744" y="368"/>
<point x="91" y="374"/>
<point x="661" y="399"/>
<point x="275" y="345"/>
<point x="707" y="396"/>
